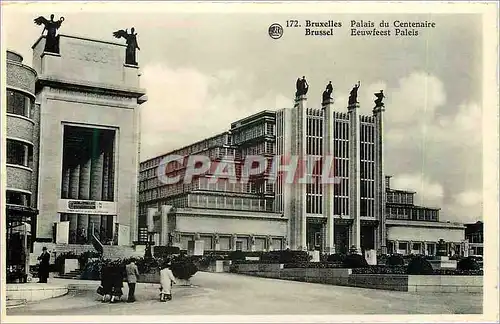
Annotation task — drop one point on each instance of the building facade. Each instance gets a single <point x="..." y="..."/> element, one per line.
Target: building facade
<point x="74" y="132"/>
<point x="21" y="161"/>
<point x="225" y="214"/>
<point x="268" y="212"/>
<point x="413" y="229"/>
<point x="475" y="236"/>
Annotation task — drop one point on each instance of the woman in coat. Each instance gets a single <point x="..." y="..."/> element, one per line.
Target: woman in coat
<point x="117" y="282"/>
<point x="106" y="282"/>
<point x="167" y="279"/>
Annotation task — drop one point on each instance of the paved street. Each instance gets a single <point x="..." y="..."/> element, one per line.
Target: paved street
<point x="232" y="294"/>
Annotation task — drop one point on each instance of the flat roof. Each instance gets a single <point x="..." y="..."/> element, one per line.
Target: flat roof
<point x="82" y="38"/>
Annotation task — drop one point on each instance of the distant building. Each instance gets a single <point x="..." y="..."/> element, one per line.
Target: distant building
<point x="23" y="128"/>
<point x="413" y="229"/>
<point x="474" y="234"/>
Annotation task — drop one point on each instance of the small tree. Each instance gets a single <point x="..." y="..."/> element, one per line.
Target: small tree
<point x="395" y="260"/>
<point x="419" y="266"/>
<point x="352" y="261"/>
<point x="183" y="268"/>
<point x="468" y="264"/>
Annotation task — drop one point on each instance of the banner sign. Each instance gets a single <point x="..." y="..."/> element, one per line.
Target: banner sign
<point x="87" y="207"/>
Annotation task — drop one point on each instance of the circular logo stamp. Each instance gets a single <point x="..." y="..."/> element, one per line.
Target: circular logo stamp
<point x="275" y="31"/>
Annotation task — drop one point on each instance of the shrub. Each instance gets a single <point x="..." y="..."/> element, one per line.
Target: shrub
<point x="395" y="260"/>
<point x="419" y="266"/>
<point x="92" y="270"/>
<point x="313" y="265"/>
<point x="337" y="257"/>
<point x="468" y="264"/>
<point x="183" y="268"/>
<point x="237" y="255"/>
<point x="353" y="261"/>
<point x="83" y="259"/>
<point x="381" y="269"/>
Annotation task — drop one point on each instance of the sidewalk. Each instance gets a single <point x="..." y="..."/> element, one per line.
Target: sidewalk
<point x="33" y="291"/>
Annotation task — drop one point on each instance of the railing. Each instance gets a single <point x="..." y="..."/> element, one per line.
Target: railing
<point x="95" y="241"/>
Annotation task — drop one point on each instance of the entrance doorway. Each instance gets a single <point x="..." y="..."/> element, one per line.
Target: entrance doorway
<point x="341" y="238"/>
<point x="314" y="236"/>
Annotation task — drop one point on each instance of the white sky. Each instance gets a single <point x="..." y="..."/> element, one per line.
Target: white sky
<point x="203" y="71"/>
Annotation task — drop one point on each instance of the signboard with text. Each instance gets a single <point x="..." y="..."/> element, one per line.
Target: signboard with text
<point x="87" y="207"/>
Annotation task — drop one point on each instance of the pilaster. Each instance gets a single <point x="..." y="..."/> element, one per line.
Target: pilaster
<point x="300" y="143"/>
<point x="380" y="194"/>
<point x="328" y="188"/>
<point x="354" y="177"/>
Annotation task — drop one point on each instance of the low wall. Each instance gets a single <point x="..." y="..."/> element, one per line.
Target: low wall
<point x="344" y="277"/>
<point x="379" y="281"/>
<point x="35" y="291"/>
<point x="472" y="284"/>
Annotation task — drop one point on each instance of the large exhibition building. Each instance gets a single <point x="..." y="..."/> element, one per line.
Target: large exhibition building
<point x="359" y="210"/>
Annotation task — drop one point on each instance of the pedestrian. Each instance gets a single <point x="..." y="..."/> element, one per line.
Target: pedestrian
<point x="43" y="266"/>
<point x="132" y="276"/>
<point x="117" y="283"/>
<point x="106" y="287"/>
<point x="167" y="279"/>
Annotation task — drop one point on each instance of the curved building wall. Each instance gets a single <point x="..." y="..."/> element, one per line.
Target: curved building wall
<point x="21" y="141"/>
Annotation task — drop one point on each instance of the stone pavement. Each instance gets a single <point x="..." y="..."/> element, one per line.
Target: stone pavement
<point x="232" y="294"/>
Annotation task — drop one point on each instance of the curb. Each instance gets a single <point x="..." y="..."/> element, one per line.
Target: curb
<point x="15" y="303"/>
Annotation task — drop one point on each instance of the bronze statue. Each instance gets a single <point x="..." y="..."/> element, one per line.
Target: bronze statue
<point x="302" y="87"/>
<point x="353" y="96"/>
<point x="327" y="94"/>
<point x="51" y="40"/>
<point x="132" y="45"/>
<point x="380" y="96"/>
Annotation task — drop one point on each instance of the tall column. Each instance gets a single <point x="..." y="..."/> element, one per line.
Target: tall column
<point x="328" y="188"/>
<point x="84" y="190"/>
<point x="83" y="226"/>
<point x="73" y="227"/>
<point x="354" y="177"/>
<point x="84" y="193"/>
<point x="74" y="182"/>
<point x="96" y="176"/>
<point x="65" y="183"/>
<point x="300" y="143"/>
<point x="380" y="188"/>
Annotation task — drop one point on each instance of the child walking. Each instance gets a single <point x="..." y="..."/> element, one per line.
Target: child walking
<point x="167" y="279"/>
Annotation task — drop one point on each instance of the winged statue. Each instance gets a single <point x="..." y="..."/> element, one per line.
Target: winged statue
<point x="51" y="26"/>
<point x="130" y="55"/>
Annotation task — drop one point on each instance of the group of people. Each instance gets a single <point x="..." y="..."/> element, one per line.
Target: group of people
<point x="112" y="275"/>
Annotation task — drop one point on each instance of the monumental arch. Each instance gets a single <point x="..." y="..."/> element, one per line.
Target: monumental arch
<point x="89" y="102"/>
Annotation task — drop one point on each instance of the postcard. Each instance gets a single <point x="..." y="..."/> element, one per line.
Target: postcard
<point x="249" y="162"/>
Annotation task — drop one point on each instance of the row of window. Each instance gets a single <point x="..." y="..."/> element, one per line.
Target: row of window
<point x="234" y="203"/>
<point x="475" y="237"/>
<point x="254" y="131"/>
<point x="367" y="133"/>
<point x="314" y="127"/>
<point x="400" y="198"/>
<point x="412" y="214"/>
<point x="19" y="103"/>
<point x="18" y="198"/>
<point x="19" y="153"/>
<point x="218" y="141"/>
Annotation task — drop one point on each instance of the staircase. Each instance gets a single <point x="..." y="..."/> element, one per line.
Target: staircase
<point x="75" y="274"/>
<point x="114" y="252"/>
